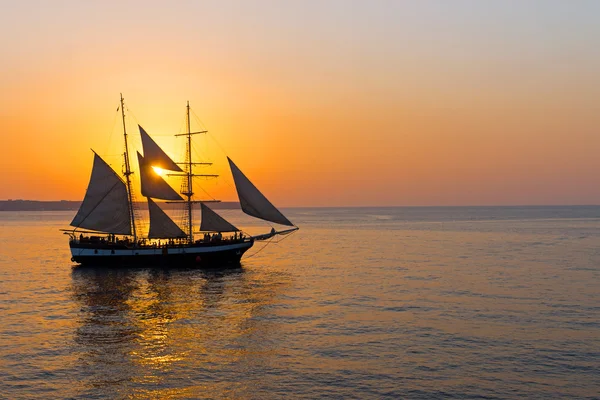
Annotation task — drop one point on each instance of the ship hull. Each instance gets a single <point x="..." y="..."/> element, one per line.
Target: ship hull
<point x="200" y="255"/>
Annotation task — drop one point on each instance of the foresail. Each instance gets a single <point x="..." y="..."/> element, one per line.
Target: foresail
<point x="252" y="201"/>
<point x="161" y="226"/>
<point x="154" y="155"/>
<point x="152" y="184"/>
<point x="105" y="207"/>
<point x="213" y="222"/>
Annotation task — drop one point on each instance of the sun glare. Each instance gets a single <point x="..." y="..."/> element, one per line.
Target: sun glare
<point x="159" y="171"/>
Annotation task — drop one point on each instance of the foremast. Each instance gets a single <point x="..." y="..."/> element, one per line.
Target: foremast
<point x="127" y="173"/>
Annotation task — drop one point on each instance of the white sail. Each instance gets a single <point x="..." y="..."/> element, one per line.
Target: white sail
<point x="213" y="222"/>
<point x="154" y="155"/>
<point x="161" y="226"/>
<point x="152" y="184"/>
<point x="105" y="207"/>
<point x="252" y="201"/>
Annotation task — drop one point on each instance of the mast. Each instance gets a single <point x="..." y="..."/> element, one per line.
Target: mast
<point x="189" y="192"/>
<point x="127" y="173"/>
<point x="187" y="184"/>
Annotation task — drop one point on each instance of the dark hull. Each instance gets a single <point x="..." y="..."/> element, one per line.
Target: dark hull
<point x="213" y="256"/>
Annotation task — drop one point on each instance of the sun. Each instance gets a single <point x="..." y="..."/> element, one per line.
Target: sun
<point x="159" y="171"/>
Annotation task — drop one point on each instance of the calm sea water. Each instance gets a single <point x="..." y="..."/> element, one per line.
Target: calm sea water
<point x="361" y="303"/>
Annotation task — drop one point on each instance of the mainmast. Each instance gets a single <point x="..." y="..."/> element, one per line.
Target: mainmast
<point x="187" y="186"/>
<point x="127" y="173"/>
<point x="189" y="192"/>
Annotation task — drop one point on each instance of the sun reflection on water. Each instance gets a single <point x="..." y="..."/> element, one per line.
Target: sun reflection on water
<point x="140" y="328"/>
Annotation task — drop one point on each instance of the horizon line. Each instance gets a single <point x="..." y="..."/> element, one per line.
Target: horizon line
<point x="359" y="206"/>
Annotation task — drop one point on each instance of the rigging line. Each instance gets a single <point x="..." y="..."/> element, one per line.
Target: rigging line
<point x="200" y="122"/>
<point x="137" y="123"/>
<point x="217" y="142"/>
<point x="133" y="115"/>
<point x="112" y="131"/>
<point x="208" y="194"/>
<point x="261" y="249"/>
<point x="197" y="153"/>
<point x="202" y="125"/>
<point x="227" y="181"/>
<point x="269" y="242"/>
<point x="182" y="127"/>
<point x="181" y="131"/>
<point x="195" y="150"/>
<point x="133" y="137"/>
<point x="285" y="237"/>
<point x="200" y="148"/>
<point x="182" y="124"/>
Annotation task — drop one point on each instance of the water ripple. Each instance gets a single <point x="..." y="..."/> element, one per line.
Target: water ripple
<point x="434" y="303"/>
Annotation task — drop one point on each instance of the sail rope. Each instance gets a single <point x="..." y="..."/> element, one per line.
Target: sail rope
<point x="200" y="122"/>
<point x="112" y="131"/>
<point x="208" y="194"/>
<point x="135" y="137"/>
<point x="269" y="242"/>
<point x="259" y="250"/>
<point x="228" y="182"/>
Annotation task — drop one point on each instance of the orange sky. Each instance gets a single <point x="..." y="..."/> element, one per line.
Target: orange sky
<point x="320" y="103"/>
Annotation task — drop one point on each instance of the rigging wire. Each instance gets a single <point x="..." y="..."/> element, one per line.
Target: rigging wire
<point x="137" y="137"/>
<point x="202" y="125"/>
<point x="112" y="131"/>
<point x="228" y="182"/>
<point x="208" y="194"/>
<point x="198" y="154"/>
<point x="259" y="250"/>
<point x="269" y="242"/>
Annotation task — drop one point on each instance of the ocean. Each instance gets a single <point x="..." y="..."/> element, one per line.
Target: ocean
<point x="361" y="303"/>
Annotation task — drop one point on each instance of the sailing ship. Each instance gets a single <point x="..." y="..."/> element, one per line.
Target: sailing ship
<point x="106" y="230"/>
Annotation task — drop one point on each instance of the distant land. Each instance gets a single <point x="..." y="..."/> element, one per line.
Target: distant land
<point x="67" y="205"/>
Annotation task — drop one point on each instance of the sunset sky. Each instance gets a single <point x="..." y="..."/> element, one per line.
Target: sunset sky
<point x="320" y="103"/>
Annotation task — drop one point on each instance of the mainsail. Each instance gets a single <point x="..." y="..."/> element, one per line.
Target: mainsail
<point x="152" y="184"/>
<point x="161" y="226"/>
<point x="154" y="155"/>
<point x="252" y="201"/>
<point x="213" y="222"/>
<point x="105" y="207"/>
